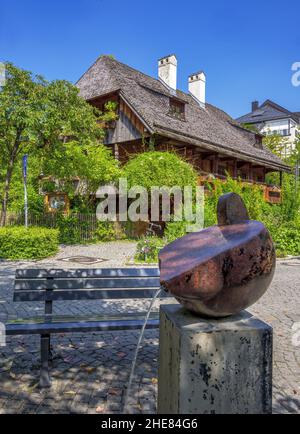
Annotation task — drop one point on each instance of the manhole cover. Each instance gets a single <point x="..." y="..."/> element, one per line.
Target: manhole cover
<point x="83" y="259"/>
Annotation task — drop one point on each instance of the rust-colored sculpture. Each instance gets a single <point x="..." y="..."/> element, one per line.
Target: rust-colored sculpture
<point x="223" y="269"/>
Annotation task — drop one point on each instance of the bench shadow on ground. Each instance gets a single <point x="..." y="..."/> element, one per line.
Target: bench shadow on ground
<point x="89" y="374"/>
<point x="285" y="403"/>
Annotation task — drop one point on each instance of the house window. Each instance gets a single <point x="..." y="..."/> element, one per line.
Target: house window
<point x="284" y="132"/>
<point x="177" y="109"/>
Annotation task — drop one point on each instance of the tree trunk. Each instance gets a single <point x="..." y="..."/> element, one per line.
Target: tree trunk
<point x="6" y="193"/>
<point x="8" y="177"/>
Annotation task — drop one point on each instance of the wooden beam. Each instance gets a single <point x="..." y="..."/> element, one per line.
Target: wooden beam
<point x="215" y="163"/>
<point x="226" y="159"/>
<point x="241" y="164"/>
<point x="250" y="172"/>
<point x="235" y="168"/>
<point x="264" y="174"/>
<point x="208" y="156"/>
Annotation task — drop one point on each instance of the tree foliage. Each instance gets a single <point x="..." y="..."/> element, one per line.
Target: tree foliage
<point x="159" y="169"/>
<point x="276" y="144"/>
<point x="59" y="130"/>
<point x="272" y="141"/>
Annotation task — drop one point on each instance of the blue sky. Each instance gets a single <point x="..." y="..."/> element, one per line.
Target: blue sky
<point x="246" y="48"/>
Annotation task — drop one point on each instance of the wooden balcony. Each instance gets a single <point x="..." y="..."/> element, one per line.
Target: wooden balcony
<point x="272" y="194"/>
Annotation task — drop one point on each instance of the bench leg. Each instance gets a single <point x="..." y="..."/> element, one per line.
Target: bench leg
<point x="50" y="350"/>
<point x="44" y="377"/>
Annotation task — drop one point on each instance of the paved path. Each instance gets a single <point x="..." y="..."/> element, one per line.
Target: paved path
<point x="90" y="371"/>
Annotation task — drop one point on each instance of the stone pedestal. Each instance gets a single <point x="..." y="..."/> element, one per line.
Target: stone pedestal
<point x="219" y="366"/>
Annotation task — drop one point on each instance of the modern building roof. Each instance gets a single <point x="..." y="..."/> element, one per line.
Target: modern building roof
<point x="268" y="111"/>
<point x="207" y="127"/>
<point x="297" y="114"/>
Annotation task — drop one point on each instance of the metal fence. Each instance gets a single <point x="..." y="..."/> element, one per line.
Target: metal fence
<point x="84" y="225"/>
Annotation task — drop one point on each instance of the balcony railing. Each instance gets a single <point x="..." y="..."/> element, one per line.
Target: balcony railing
<point x="272" y="194"/>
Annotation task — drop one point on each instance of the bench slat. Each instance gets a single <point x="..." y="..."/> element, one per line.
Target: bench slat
<point x="79" y="283"/>
<point x="86" y="273"/>
<point x="47" y="318"/>
<point x="84" y="294"/>
<point x="71" y="327"/>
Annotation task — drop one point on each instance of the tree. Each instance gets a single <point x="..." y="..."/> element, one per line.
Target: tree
<point x="294" y="158"/>
<point x="45" y="119"/>
<point x="273" y="141"/>
<point x="294" y="161"/>
<point x="276" y="144"/>
<point x="93" y="165"/>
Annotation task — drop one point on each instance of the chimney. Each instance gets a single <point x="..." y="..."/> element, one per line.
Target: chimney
<point x="197" y="84"/>
<point x="255" y="105"/>
<point x="167" y="70"/>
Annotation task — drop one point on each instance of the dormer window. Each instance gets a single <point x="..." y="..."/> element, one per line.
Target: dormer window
<point x="177" y="109"/>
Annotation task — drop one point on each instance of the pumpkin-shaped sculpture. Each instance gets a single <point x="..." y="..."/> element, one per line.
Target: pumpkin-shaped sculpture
<point x="223" y="269"/>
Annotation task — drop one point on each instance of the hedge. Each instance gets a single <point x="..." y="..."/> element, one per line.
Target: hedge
<point x="286" y="239"/>
<point x="28" y="243"/>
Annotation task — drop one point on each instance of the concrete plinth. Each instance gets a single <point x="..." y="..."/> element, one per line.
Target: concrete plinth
<point x="219" y="366"/>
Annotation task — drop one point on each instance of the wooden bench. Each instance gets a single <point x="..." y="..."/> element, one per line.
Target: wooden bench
<point x="81" y="284"/>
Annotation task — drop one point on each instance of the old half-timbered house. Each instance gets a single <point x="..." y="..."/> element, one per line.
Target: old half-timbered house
<point x="154" y="108"/>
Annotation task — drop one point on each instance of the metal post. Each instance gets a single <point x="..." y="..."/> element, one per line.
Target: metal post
<point x="25" y="189"/>
<point x="25" y="204"/>
<point x="296" y="176"/>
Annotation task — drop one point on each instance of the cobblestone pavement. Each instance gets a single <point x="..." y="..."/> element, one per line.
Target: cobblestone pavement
<point x="90" y="371"/>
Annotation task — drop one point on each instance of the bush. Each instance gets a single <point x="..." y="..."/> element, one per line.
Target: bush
<point x="175" y="230"/>
<point x="286" y="239"/>
<point x="28" y="243"/>
<point x="148" y="249"/>
<point x="159" y="169"/>
<point x="105" y="231"/>
<point x="282" y="220"/>
<point x="251" y="194"/>
<point x="76" y="230"/>
<point x="70" y="229"/>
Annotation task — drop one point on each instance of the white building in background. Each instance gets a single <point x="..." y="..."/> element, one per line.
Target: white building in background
<point x="271" y="118"/>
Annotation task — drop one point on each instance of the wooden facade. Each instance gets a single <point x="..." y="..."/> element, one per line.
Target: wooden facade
<point x="129" y="135"/>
